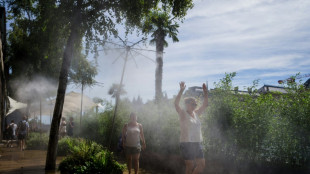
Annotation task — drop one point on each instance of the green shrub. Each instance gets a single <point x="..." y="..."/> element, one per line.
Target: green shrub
<point x="37" y="141"/>
<point x="89" y="157"/>
<point x="64" y="145"/>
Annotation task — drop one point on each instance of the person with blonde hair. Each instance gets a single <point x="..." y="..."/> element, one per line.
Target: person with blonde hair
<point x="190" y="127"/>
<point x="132" y="134"/>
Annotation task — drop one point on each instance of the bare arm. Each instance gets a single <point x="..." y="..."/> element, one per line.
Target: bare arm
<point x="142" y="137"/>
<point x="17" y="129"/>
<point x="204" y="105"/>
<point x="178" y="98"/>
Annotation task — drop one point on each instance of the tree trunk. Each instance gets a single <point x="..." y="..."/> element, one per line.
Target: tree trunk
<point x="2" y="94"/>
<point x="159" y="69"/>
<point x="73" y="39"/>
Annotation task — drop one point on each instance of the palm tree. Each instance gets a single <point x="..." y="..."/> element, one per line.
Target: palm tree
<point x="160" y="25"/>
<point x="113" y="91"/>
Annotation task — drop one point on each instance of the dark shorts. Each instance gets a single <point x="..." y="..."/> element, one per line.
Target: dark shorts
<point x="11" y="137"/>
<point x="21" y="136"/>
<point x="191" y="150"/>
<point x="132" y="150"/>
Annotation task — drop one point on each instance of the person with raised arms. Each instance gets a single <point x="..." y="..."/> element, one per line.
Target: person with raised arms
<point x="190" y="127"/>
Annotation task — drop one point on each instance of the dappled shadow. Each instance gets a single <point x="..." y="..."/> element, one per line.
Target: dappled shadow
<point x="13" y="160"/>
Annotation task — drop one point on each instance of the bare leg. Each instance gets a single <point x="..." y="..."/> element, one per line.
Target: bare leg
<point x="200" y="166"/>
<point x="24" y="144"/>
<point x="136" y="162"/>
<point x="21" y="145"/>
<point x="189" y="164"/>
<point x="129" y="157"/>
<point x="8" y="143"/>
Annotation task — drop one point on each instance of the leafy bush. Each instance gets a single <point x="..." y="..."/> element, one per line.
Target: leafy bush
<point x="89" y="157"/>
<point x="64" y="145"/>
<point x="37" y="141"/>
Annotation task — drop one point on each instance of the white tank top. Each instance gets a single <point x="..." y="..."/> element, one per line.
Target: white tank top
<point x="132" y="136"/>
<point x="190" y="129"/>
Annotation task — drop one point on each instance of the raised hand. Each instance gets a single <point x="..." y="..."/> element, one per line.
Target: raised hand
<point x="204" y="88"/>
<point x="182" y="86"/>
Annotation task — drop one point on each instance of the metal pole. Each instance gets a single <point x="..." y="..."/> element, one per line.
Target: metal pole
<point x="40" y="117"/>
<point x="118" y="94"/>
<point x="81" y="113"/>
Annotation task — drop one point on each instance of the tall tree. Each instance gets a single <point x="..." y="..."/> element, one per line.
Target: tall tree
<point x="160" y="25"/>
<point x="3" y="95"/>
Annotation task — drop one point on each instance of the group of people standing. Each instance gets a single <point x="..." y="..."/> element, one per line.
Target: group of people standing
<point x="19" y="132"/>
<point x="66" y="128"/>
<point x="190" y="134"/>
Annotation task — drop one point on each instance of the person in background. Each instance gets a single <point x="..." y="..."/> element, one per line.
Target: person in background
<point x="70" y="127"/>
<point x="22" y="132"/>
<point x="12" y="133"/>
<point x="190" y="127"/>
<point x="63" y="127"/>
<point x="132" y="134"/>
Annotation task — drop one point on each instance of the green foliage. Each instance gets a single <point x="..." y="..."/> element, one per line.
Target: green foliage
<point x="270" y="128"/>
<point x="159" y="24"/>
<point x="89" y="157"/>
<point x="288" y="140"/>
<point x="37" y="141"/>
<point x="36" y="39"/>
<point x="98" y="127"/>
<point x="64" y="145"/>
<point x="83" y="71"/>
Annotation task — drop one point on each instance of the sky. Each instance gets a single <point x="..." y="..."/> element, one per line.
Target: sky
<point x="258" y="39"/>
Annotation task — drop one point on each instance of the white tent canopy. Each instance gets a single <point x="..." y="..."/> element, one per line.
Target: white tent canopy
<point x="73" y="103"/>
<point x="15" y="105"/>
